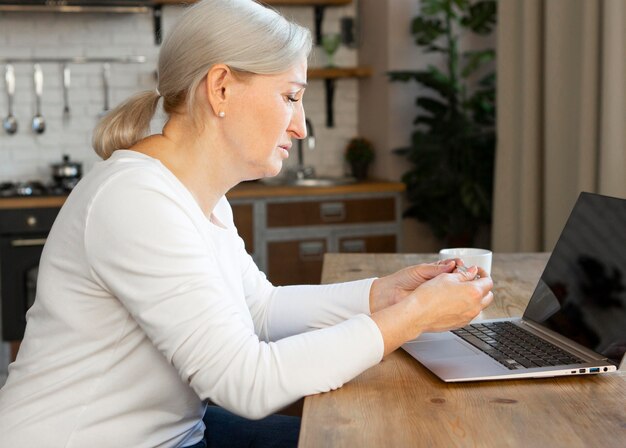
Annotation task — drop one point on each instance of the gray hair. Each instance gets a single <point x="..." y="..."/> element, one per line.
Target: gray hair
<point x="246" y="36"/>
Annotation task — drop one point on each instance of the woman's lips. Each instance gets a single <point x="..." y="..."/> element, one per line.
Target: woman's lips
<point x="285" y="149"/>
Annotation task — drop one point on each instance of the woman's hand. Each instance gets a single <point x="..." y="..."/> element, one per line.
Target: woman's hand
<point x="448" y="301"/>
<point x="386" y="291"/>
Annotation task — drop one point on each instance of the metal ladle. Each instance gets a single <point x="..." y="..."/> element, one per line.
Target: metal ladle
<point x="10" y="123"/>
<point x="39" y="124"/>
<point x="66" y="89"/>
<point x="106" y="86"/>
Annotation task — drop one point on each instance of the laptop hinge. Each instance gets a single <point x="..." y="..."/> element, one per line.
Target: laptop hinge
<point x="560" y="340"/>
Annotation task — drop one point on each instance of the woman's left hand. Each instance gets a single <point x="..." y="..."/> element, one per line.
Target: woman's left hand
<point x="386" y="291"/>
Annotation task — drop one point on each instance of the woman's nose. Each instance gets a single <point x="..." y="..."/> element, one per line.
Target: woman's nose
<point x="297" y="126"/>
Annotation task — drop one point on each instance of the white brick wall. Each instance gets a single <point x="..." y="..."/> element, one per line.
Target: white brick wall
<point x="26" y="156"/>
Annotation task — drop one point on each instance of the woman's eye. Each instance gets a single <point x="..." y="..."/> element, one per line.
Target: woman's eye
<point x="293" y="99"/>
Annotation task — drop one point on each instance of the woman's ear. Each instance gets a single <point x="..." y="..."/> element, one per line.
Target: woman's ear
<point x="218" y="81"/>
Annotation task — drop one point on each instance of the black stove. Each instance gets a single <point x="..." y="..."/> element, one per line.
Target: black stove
<point x="32" y="188"/>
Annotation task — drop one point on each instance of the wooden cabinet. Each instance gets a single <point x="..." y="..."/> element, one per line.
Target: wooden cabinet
<point x="295" y="262"/>
<point x="243" y="215"/>
<point x="288" y="234"/>
<point x="330" y="211"/>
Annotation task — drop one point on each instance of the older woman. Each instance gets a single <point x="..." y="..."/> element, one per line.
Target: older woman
<point x="148" y="305"/>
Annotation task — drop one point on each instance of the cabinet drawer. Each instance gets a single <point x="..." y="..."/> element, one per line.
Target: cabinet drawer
<point x="27" y="220"/>
<point x="295" y="262"/>
<point x="379" y="244"/>
<point x="243" y="216"/>
<point x="349" y="211"/>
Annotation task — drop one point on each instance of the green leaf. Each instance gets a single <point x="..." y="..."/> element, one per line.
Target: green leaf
<point x="426" y="31"/>
<point x="435" y="107"/>
<point x="476" y="59"/>
<point x="462" y="4"/>
<point x="488" y="80"/>
<point x="402" y="75"/>
<point x="434" y="7"/>
<point x="401" y="151"/>
<point x="481" y="18"/>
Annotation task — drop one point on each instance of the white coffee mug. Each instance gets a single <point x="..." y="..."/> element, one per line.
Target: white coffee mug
<point x="470" y="256"/>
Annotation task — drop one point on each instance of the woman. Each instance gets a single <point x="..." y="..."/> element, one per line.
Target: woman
<point x="147" y="303"/>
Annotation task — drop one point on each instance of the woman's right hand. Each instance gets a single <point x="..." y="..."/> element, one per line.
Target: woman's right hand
<point x="443" y="303"/>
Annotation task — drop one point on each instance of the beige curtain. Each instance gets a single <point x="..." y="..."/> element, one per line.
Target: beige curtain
<point x="561" y="114"/>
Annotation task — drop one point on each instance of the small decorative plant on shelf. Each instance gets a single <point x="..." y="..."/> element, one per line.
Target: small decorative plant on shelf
<point x="450" y="181"/>
<point x="359" y="154"/>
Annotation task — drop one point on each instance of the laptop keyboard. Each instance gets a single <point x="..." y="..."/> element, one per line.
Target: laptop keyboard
<point x="514" y="347"/>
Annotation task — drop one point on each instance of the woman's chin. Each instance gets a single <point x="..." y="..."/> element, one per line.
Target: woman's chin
<point x="273" y="170"/>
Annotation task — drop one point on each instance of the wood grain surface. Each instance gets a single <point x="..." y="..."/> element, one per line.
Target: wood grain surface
<point x="399" y="403"/>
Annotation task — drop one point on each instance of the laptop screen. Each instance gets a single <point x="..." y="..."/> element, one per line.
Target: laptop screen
<point x="582" y="291"/>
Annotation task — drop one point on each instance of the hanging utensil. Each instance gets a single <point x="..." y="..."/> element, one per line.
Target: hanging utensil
<point x="106" y="85"/>
<point x="39" y="123"/>
<point x="66" y="89"/>
<point x="10" y="123"/>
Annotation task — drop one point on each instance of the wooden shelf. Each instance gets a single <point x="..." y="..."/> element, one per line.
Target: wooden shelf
<point x="338" y="72"/>
<point x="318" y="6"/>
<point x="330" y="75"/>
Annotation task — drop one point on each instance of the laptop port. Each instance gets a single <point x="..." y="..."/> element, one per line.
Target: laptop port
<point x="581" y="370"/>
<point x="594" y="370"/>
<point x="573" y="371"/>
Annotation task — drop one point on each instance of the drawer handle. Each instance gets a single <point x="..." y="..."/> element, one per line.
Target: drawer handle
<point x="311" y="251"/>
<point x="31" y="221"/>
<point x="332" y="211"/>
<point x="28" y="242"/>
<point x="354" y="246"/>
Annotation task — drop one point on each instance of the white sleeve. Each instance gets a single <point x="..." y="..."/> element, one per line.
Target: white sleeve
<point x="283" y="311"/>
<point x="279" y="312"/>
<point x="144" y="248"/>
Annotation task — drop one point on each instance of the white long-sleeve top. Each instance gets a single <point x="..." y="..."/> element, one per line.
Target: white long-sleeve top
<point x="145" y="308"/>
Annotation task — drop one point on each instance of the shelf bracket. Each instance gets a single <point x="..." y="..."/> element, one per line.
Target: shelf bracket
<point x="330" y="97"/>
<point x="319" y="18"/>
<point x="157" y="14"/>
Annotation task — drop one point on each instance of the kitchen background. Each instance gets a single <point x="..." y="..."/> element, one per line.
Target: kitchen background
<point x="371" y="107"/>
<point x="27" y="156"/>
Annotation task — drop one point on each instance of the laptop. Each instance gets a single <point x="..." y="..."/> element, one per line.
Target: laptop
<point x="575" y="322"/>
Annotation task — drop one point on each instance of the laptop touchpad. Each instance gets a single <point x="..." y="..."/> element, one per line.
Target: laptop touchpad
<point x="443" y="349"/>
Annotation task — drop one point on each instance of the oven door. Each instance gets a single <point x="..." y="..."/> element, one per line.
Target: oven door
<point x="19" y="265"/>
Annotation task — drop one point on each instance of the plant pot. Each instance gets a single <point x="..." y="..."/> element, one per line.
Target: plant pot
<point x="359" y="170"/>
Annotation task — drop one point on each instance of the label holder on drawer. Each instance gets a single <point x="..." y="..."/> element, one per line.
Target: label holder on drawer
<point x="333" y="211"/>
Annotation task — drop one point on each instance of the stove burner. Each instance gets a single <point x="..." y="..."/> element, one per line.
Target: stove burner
<point x="32" y="188"/>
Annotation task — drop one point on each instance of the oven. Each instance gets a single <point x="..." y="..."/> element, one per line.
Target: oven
<point x="23" y="232"/>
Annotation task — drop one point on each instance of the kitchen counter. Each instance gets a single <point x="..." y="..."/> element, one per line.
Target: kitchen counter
<point x="257" y="189"/>
<point x="245" y="190"/>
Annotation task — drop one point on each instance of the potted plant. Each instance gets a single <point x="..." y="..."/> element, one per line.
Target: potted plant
<point x="450" y="182"/>
<point x="359" y="154"/>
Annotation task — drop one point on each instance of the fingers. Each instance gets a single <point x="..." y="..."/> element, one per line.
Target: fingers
<point x="431" y="270"/>
<point x="487" y="299"/>
<point x="443" y="265"/>
<point x="466" y="274"/>
<point x="456" y="261"/>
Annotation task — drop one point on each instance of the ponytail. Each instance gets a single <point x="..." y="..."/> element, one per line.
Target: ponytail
<point x="125" y="125"/>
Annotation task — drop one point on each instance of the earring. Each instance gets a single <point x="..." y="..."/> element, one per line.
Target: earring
<point x="221" y="114"/>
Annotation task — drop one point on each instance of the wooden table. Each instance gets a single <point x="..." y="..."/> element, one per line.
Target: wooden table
<point x="399" y="403"/>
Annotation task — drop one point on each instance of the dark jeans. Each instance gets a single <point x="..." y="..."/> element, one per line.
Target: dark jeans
<point x="226" y="430"/>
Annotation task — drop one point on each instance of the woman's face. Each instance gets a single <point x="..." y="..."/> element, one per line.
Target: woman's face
<point x="262" y="115"/>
